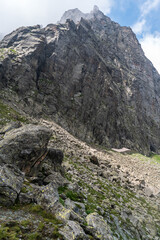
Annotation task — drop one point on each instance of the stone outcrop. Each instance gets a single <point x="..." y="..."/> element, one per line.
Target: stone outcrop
<point x="11" y="181"/>
<point x="9" y="127"/>
<point x="76" y="15"/>
<point x="91" y="77"/>
<point x="73" y="231"/>
<point x="98" y="227"/>
<point x="47" y="197"/>
<point x="25" y="146"/>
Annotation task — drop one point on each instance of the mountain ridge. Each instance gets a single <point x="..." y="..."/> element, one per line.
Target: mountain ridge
<point x="90" y="77"/>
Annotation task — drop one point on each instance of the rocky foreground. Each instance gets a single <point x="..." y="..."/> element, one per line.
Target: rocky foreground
<point x="53" y="186"/>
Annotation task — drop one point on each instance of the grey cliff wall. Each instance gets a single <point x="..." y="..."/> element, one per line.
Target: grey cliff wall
<point x="91" y="77"/>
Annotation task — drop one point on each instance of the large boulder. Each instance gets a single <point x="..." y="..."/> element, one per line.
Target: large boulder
<point x="98" y="227"/>
<point x="25" y="146"/>
<point x="11" y="180"/>
<point x="47" y="197"/>
<point x="73" y="231"/>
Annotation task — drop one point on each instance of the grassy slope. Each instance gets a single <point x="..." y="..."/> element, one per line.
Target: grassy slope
<point x="8" y="114"/>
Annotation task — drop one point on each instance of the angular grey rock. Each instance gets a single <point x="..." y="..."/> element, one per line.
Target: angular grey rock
<point x="56" y="157"/>
<point x="10" y="126"/>
<point x="11" y="180"/>
<point x="25" y="198"/>
<point x="25" y="146"/>
<point x="97" y="224"/>
<point x="106" y="174"/>
<point x="149" y="192"/>
<point x="55" y="178"/>
<point x="73" y="231"/>
<point x="73" y="14"/>
<point x="77" y="207"/>
<point x="94" y="160"/>
<point x="47" y="197"/>
<point x="76" y="15"/>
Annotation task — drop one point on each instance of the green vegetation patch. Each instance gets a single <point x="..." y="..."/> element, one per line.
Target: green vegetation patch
<point x="154" y="158"/>
<point x="13" y="51"/>
<point x="74" y="196"/>
<point x="8" y="114"/>
<point x="38" y="226"/>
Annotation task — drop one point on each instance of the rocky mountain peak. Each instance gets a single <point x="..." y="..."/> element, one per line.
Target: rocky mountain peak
<point x="91" y="77"/>
<point x="95" y="8"/>
<point x="76" y="15"/>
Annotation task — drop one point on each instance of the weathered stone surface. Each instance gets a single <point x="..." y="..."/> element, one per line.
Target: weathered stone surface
<point x="77" y="207"/>
<point x="73" y="231"/>
<point x="11" y="180"/>
<point x="64" y="214"/>
<point x="55" y="157"/>
<point x="149" y="192"/>
<point x="25" y="198"/>
<point x="76" y="15"/>
<point x="91" y="77"/>
<point x="10" y="126"/>
<point x="94" y="160"/>
<point x="25" y="146"/>
<point x="47" y="197"/>
<point x="100" y="227"/>
<point x="55" y="178"/>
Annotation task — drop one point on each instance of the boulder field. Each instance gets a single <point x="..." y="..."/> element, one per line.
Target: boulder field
<point x="53" y="186"/>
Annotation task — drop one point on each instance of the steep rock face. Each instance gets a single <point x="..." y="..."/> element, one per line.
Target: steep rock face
<point x="91" y="77"/>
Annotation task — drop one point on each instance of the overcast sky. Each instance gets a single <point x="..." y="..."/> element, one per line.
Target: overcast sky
<point x="142" y="15"/>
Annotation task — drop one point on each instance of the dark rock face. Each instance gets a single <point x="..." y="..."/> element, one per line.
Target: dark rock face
<point x="25" y="146"/>
<point x="11" y="180"/>
<point x="91" y="77"/>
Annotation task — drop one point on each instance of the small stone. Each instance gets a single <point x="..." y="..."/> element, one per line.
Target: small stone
<point x="94" y="160"/>
<point x="73" y="231"/>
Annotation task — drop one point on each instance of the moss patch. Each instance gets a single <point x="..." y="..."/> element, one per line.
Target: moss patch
<point x="8" y="114"/>
<point x="74" y="196"/>
<point x="40" y="225"/>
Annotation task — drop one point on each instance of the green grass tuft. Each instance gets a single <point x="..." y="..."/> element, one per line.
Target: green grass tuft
<point x="74" y="196"/>
<point x="8" y="114"/>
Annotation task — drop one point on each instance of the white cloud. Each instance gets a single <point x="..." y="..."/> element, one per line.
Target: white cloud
<point x="149" y="42"/>
<point x="139" y="26"/>
<point x="145" y="9"/>
<point x="16" y="13"/>
<point x="148" y="6"/>
<point x="151" y="46"/>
